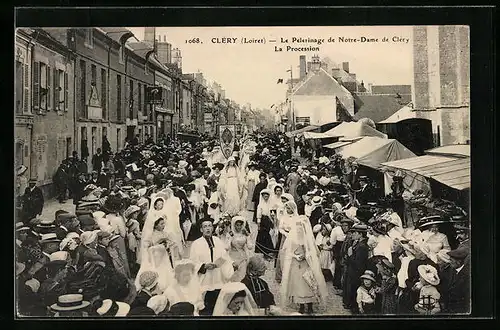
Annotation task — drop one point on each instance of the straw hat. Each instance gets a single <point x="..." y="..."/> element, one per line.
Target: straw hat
<point x="429" y="274"/>
<point x="20" y="267"/>
<point x="113" y="308"/>
<point x="428" y="221"/>
<point x="368" y="275"/>
<point x="70" y="302"/>
<point x="21" y="170"/>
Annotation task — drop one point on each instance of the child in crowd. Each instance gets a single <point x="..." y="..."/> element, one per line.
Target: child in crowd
<point x="325" y="251"/>
<point x="367" y="293"/>
<point x="429" y="298"/>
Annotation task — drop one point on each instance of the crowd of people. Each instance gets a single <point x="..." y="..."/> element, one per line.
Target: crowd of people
<point x="178" y="228"/>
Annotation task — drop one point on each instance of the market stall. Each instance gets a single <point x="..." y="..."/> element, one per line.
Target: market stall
<point x="347" y="129"/>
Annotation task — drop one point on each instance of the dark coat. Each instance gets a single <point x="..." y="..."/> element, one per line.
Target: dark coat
<point x="459" y="292"/>
<point x="141" y="300"/>
<point x="356" y="265"/>
<point x="258" y="189"/>
<point x="367" y="194"/>
<point x="97" y="162"/>
<point x="32" y="203"/>
<point x="260" y="291"/>
<point x="316" y="216"/>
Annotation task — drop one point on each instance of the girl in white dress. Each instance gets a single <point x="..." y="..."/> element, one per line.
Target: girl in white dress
<point x="186" y="286"/>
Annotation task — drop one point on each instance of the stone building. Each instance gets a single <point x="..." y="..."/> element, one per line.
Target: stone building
<point x="441" y="64"/>
<point x="46" y="118"/>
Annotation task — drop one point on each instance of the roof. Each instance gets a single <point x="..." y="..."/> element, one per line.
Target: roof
<point x="140" y="48"/>
<point x="349" y="130"/>
<point x="450" y="171"/>
<point x="320" y="83"/>
<point x="391" y="89"/>
<point x="379" y="107"/>
<point x="405" y="112"/>
<point x="338" y="144"/>
<point x="457" y="150"/>
<point x="373" y="151"/>
<point x="116" y="33"/>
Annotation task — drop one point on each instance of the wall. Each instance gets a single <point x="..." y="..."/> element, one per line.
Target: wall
<point x="320" y="109"/>
<point x="53" y="131"/>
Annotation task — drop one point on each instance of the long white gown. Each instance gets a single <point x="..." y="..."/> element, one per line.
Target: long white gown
<point x="231" y="188"/>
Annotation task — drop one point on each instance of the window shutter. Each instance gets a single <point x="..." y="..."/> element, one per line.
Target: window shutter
<point x="49" y="88"/>
<point x="36" y="85"/>
<point x="57" y="105"/>
<point x="66" y="94"/>
<point x="26" y="89"/>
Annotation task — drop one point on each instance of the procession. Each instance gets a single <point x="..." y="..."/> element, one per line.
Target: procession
<point x="354" y="203"/>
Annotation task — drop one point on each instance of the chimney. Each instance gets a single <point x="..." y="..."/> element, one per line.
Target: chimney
<point x="164" y="38"/>
<point x="302" y="61"/>
<point x="316" y="64"/>
<point x="369" y="89"/>
<point x="336" y="73"/>
<point x="345" y="66"/>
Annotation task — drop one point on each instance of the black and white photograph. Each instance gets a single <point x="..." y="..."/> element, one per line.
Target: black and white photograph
<point x="242" y="171"/>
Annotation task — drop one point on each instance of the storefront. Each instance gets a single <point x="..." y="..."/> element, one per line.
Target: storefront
<point x="163" y="121"/>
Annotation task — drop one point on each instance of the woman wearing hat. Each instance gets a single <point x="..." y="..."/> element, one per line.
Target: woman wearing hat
<point x="316" y="210"/>
<point x="432" y="237"/>
<point x="185" y="286"/>
<point x="388" y="287"/>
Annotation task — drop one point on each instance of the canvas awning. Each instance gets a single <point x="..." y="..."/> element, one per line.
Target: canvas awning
<point x="372" y="151"/>
<point x="450" y="171"/>
<point x="347" y="129"/>
<point x="338" y="144"/>
<point x="457" y="150"/>
<point x="301" y="130"/>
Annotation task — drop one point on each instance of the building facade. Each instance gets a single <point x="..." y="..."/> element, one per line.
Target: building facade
<point x="441" y="86"/>
<point x="45" y="119"/>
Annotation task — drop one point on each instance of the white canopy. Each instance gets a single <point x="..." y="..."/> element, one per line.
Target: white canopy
<point x="372" y="151"/>
<point x="347" y="129"/>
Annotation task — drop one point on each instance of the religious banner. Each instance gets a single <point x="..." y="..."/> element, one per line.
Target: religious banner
<point x="227" y="137"/>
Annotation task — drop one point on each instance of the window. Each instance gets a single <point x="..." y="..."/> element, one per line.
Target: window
<point x="93" y="75"/>
<point x="68" y="147"/>
<point x="19" y="87"/>
<point x="104" y="96"/>
<point x="89" y="38"/>
<point x="121" y="53"/>
<point x="59" y="90"/>
<point x="146" y="110"/>
<point x="43" y="86"/>
<point x="139" y="98"/>
<point x="94" y="141"/>
<point x="119" y="97"/>
<point x="83" y="87"/>
<point x="118" y="138"/>
<point x="104" y="132"/>
<point x="19" y="159"/>
<point x="131" y="100"/>
<point x="26" y="90"/>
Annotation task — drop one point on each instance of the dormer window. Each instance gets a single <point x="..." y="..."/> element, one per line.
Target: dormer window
<point x="89" y="38"/>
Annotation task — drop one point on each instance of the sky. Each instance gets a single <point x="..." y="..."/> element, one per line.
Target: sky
<point x="249" y="72"/>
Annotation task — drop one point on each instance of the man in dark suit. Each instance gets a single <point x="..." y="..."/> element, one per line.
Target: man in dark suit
<point x="356" y="263"/>
<point x="97" y="161"/>
<point x="459" y="289"/>
<point x="365" y="193"/>
<point x="32" y="201"/>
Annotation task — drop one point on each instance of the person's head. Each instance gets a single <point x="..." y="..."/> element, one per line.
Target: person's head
<point x="265" y="196"/>
<point x="184" y="272"/>
<point x="158" y="205"/>
<point x="237" y="301"/>
<point x="104" y="237"/>
<point x="113" y="241"/>
<point x="207" y="228"/>
<point x="159" y="224"/>
<point x="262" y="177"/>
<point x="256" y="266"/>
<point x="271" y="175"/>
<point x="345" y="226"/>
<point x="434" y="228"/>
<point x="238" y="226"/>
<point x="22" y="233"/>
<point x="95" y="175"/>
<point x="32" y="183"/>
<point x="98" y="150"/>
<point x="206" y="173"/>
<point x="368" y="278"/>
<point x="458" y="257"/>
<point x="278" y="190"/>
<point x="367" y="283"/>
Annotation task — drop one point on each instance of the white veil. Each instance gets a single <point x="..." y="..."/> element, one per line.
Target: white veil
<point x="152" y="216"/>
<point x="226" y="295"/>
<point x="156" y="259"/>
<point x="311" y="252"/>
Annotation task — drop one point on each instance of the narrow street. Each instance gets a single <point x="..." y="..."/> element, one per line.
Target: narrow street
<point x="333" y="306"/>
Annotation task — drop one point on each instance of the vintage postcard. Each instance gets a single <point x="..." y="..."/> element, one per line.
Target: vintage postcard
<point x="242" y="171"/>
